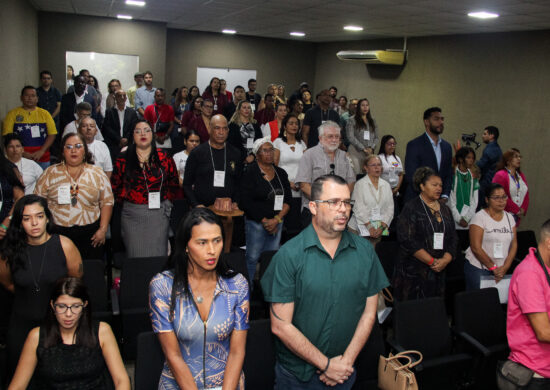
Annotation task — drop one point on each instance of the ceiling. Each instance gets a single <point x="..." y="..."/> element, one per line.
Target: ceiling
<point x="322" y="21"/>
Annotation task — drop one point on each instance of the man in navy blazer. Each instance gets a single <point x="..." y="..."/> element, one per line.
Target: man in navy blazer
<point x="430" y="150"/>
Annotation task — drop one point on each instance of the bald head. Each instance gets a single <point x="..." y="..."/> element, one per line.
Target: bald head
<point x="88" y="128"/>
<point x="218" y="130"/>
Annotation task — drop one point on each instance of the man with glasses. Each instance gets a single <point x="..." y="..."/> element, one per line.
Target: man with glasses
<point x="323" y="287"/>
<point x="322" y="159"/>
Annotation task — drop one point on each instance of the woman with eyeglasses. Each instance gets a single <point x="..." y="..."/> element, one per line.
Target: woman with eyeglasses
<point x="373" y="209"/>
<point x="32" y="258"/>
<point x="427" y="240"/>
<point x="510" y="177"/>
<point x="265" y="200"/>
<point x="144" y="182"/>
<point x="79" y="196"/>
<point x="69" y="350"/>
<point x="493" y="241"/>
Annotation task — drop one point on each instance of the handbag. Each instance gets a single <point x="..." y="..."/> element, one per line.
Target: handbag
<point x="512" y="375"/>
<point x="393" y="375"/>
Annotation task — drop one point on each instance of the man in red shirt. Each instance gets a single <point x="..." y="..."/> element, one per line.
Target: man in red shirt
<point x="161" y="119"/>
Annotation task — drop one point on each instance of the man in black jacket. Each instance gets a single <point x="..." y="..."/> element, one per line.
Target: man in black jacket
<point x="118" y="124"/>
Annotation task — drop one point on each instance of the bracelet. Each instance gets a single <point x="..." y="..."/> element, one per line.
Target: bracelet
<point x="326" y="368"/>
<point x="494" y="267"/>
<point x="431" y="262"/>
<point x="3" y="226"/>
<point x="278" y="218"/>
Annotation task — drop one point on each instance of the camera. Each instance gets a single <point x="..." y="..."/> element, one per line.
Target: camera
<point x="468" y="139"/>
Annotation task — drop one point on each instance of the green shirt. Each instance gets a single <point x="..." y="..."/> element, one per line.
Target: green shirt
<point x="329" y="295"/>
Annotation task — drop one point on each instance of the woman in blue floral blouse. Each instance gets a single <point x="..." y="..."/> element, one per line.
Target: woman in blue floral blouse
<point x="199" y="308"/>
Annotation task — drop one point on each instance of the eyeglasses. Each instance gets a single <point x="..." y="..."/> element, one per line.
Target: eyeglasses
<point x="392" y="144"/>
<point x="374" y="165"/>
<point x="71" y="147"/>
<point x="143" y="131"/>
<point x="61" y="308"/>
<point x="335" y="204"/>
<point x="333" y="136"/>
<point x="267" y="151"/>
<point x="503" y="197"/>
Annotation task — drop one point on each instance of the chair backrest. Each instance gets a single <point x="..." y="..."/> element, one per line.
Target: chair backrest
<point x="149" y="362"/>
<point x="259" y="361"/>
<point x="135" y="276"/>
<point x="479" y="313"/>
<point x="236" y="261"/>
<point x="94" y="279"/>
<point x="265" y="260"/>
<point x="422" y="325"/>
<point x="388" y="253"/>
<point x="526" y="240"/>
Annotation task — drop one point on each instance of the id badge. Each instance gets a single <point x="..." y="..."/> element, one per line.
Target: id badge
<point x="219" y="178"/>
<point x="278" y="202"/>
<point x="154" y="200"/>
<point x="35" y="131"/>
<point x="366" y="135"/>
<point x="64" y="194"/>
<point x="465" y="210"/>
<point x="249" y="143"/>
<point x="323" y="122"/>
<point x="363" y="231"/>
<point x="375" y="214"/>
<point x="498" y="250"/>
<point x="215" y="107"/>
<point x="253" y="106"/>
<point x="438" y="240"/>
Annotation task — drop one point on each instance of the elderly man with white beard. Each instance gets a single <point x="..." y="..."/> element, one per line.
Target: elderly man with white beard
<point x="323" y="159"/>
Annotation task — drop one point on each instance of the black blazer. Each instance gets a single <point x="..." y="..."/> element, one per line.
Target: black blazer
<point x="420" y="153"/>
<point x="111" y="128"/>
<point x="68" y="109"/>
<point x="234" y="137"/>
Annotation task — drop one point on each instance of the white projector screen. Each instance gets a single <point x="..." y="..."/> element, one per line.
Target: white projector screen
<point x="233" y="77"/>
<point x="105" y="67"/>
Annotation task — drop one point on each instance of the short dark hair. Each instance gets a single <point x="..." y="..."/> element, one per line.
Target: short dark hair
<point x="147" y="72"/>
<point x="251" y="81"/>
<point x="84" y="106"/>
<point x="422" y="175"/>
<point x="11" y="137"/>
<point x="317" y="186"/>
<point x="46" y="72"/>
<point x="462" y="153"/>
<point x="492" y="188"/>
<point x="333" y="87"/>
<point x="238" y="87"/>
<point x="27" y="87"/>
<point x="82" y="71"/>
<point x="428" y="113"/>
<point x="160" y="90"/>
<point x="492" y="130"/>
<point x="268" y="95"/>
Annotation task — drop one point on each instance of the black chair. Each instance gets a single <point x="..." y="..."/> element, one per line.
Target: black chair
<point x="149" y="362"/>
<point x="455" y="281"/>
<point x="100" y="294"/>
<point x="388" y="253"/>
<point x="236" y="261"/>
<point x="134" y="299"/>
<point x="265" y="260"/>
<point x="366" y="363"/>
<point x="259" y="361"/>
<point x="479" y="318"/>
<point x="423" y="325"/>
<point x="526" y="240"/>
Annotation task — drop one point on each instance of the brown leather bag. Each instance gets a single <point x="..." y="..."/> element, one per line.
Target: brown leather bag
<point x="393" y="375"/>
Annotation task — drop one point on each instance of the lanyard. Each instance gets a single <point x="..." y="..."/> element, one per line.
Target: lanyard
<point x="515" y="180"/>
<point x="429" y="219"/>
<point x="271" y="185"/>
<point x="224" y="157"/>
<point x="161" y="180"/>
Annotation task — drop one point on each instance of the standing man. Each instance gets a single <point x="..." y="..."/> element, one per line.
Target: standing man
<point x="34" y="125"/>
<point x="528" y="322"/>
<point x="161" y="119"/>
<point x="334" y="96"/>
<point x="49" y="97"/>
<point x="344" y="118"/>
<point x="118" y="125"/>
<point x="323" y="159"/>
<point x="145" y="96"/>
<point x="138" y="78"/>
<point x="253" y="97"/>
<point x="298" y="93"/>
<point x="266" y="114"/>
<point x="71" y="99"/>
<point x="323" y="287"/>
<point x="430" y="150"/>
<point x="488" y="162"/>
<point x="239" y="94"/>
<point x="316" y="116"/>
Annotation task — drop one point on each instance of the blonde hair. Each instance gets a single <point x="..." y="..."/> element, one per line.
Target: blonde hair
<point x="236" y="118"/>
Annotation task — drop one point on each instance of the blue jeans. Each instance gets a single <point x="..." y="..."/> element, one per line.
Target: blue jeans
<point x="285" y="380"/>
<point x="44" y="164"/>
<point x="473" y="275"/>
<point x="258" y="240"/>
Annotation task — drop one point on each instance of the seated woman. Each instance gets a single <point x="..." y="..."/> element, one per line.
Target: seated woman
<point x="70" y="351"/>
<point x="373" y="208"/>
<point x="199" y="309"/>
<point x="265" y="199"/>
<point x="493" y="241"/>
<point x="427" y="239"/>
<point x="244" y="130"/>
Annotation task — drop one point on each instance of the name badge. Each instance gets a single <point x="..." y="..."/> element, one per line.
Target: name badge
<point x="249" y="143"/>
<point x="375" y="214"/>
<point x="516" y="200"/>
<point x="253" y="106"/>
<point x="323" y="122"/>
<point x="64" y="194"/>
<point x="154" y="200"/>
<point x="215" y="107"/>
<point x="465" y="210"/>
<point x="438" y="240"/>
<point x="219" y="178"/>
<point x="363" y="231"/>
<point x="35" y="131"/>
<point x="278" y="202"/>
<point x="366" y="135"/>
<point x="498" y="250"/>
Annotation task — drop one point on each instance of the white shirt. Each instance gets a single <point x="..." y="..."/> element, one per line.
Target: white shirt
<point x="73" y="128"/>
<point x="289" y="160"/>
<point x="30" y="171"/>
<point x="517" y="194"/>
<point x="121" y="119"/>
<point x="80" y="99"/>
<point x="367" y="198"/>
<point x="392" y="168"/>
<point x="181" y="159"/>
<point x="102" y="157"/>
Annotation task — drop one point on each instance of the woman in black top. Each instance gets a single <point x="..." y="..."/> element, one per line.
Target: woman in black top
<point x="69" y="351"/>
<point x="265" y="200"/>
<point x="427" y="240"/>
<point x="244" y="130"/>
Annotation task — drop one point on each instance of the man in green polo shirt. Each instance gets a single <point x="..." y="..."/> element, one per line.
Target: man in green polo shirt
<point x="323" y="287"/>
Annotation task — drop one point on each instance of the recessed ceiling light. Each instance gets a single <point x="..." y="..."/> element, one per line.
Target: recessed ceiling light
<point x="297" y="34"/>
<point x="135" y="2"/>
<point x="229" y="31"/>
<point x="483" y="15"/>
<point x="353" y="28"/>
<point x="127" y="17"/>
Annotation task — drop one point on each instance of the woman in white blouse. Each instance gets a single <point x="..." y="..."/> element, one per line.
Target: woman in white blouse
<point x="373" y="208"/>
<point x="30" y="171"/>
<point x="392" y="167"/>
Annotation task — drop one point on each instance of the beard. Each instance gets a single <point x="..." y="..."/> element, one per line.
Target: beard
<point x="436" y="129"/>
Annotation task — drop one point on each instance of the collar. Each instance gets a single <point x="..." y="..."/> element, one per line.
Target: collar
<point x="432" y="141"/>
<point x="311" y="239"/>
<point x="84" y="94"/>
<point x="225" y="285"/>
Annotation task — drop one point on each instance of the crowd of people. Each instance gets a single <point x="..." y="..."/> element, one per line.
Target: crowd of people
<point x="314" y="171"/>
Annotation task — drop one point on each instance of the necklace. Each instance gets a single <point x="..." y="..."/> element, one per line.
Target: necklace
<point x="199" y="299"/>
<point x="74" y="184"/>
<point x="34" y="280"/>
